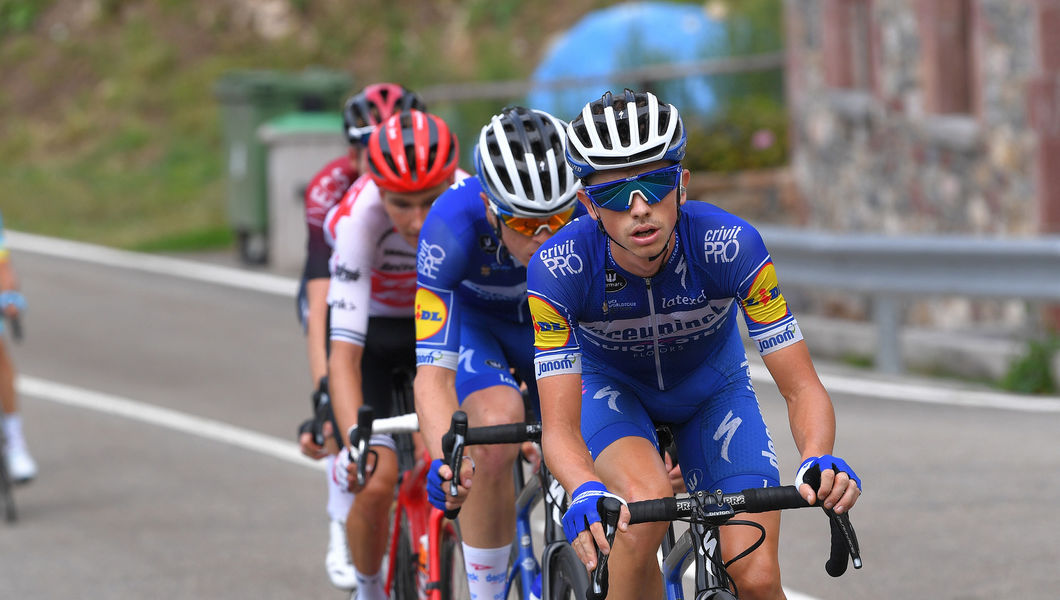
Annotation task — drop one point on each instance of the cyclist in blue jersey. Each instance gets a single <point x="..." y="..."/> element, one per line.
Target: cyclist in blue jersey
<point x="20" y="464"/>
<point x="472" y="318"/>
<point x="635" y="323"/>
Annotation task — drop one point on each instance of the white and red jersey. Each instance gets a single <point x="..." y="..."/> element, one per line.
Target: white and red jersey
<point x="326" y="190"/>
<point x="373" y="269"/>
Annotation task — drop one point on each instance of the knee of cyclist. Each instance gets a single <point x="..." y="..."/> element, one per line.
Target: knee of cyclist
<point x="633" y="487"/>
<point x="494" y="460"/>
<point x="758" y="584"/>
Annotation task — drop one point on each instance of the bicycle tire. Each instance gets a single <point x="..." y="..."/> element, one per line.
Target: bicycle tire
<point x="567" y="578"/>
<point x="7" y="485"/>
<point x="405" y="566"/>
<point x="453" y="578"/>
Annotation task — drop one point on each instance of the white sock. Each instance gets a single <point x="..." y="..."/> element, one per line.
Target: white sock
<point x="339" y="499"/>
<point x="487" y="571"/>
<point x="369" y="587"/>
<point x="13" y="430"/>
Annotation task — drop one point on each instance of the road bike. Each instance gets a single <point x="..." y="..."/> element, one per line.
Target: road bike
<point x="425" y="556"/>
<point x="561" y="574"/>
<point x="7" y="484"/>
<point x="706" y="513"/>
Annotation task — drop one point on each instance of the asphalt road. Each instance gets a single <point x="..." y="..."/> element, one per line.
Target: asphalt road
<point x="960" y="502"/>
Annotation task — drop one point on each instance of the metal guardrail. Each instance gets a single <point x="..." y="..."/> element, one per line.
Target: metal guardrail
<point x="890" y="269"/>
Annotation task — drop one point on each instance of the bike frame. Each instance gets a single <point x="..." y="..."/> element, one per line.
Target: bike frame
<point x="423" y="519"/>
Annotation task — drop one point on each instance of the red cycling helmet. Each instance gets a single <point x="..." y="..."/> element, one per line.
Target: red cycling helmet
<point x="373" y="105"/>
<point x="411" y="152"/>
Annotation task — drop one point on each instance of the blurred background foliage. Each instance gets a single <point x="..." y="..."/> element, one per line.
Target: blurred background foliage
<point x="111" y="129"/>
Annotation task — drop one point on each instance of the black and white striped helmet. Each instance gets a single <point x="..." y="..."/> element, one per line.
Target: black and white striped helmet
<point x="520" y="161"/>
<point x="616" y="132"/>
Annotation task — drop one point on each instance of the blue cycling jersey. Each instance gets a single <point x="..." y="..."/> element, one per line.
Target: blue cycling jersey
<point x="590" y="313"/>
<point x="461" y="269"/>
<point x="460" y="265"/>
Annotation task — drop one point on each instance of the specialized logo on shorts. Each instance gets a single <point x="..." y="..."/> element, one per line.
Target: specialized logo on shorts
<point x="429" y="259"/>
<point x="431" y="314"/>
<point x="763" y="303"/>
<point x="551" y="330"/>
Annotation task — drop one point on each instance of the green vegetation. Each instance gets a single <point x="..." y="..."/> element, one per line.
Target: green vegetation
<point x="1032" y="373"/>
<point x="112" y="132"/>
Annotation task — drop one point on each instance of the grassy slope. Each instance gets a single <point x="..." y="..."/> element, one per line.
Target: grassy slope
<point x="111" y="129"/>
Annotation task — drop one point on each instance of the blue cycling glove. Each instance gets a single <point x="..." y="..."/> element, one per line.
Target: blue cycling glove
<point x="826" y="462"/>
<point x="12" y="297"/>
<point x="582" y="511"/>
<point x="435" y="494"/>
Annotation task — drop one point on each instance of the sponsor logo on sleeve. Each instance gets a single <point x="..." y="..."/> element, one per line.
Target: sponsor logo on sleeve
<point x="789" y="334"/>
<point x="551" y="330"/>
<point x="567" y="363"/>
<point x="561" y="259"/>
<point x="721" y="245"/>
<point x="428" y="357"/>
<point x="431" y="314"/>
<point x="429" y="259"/>
<point x="763" y="302"/>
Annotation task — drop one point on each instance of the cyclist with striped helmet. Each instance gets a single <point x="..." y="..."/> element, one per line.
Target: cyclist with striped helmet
<point x="412" y="159"/>
<point x="471" y="317"/>
<point x="635" y="317"/>
<point x="361" y="114"/>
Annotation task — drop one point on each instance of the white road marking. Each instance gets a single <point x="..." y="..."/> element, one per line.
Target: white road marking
<point x="163" y="417"/>
<point x="150" y="263"/>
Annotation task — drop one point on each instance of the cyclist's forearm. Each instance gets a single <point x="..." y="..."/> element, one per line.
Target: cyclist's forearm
<point x="8" y="281"/>
<point x="564" y="448"/>
<point x="436" y="402"/>
<point x="316" y="327"/>
<point x="810" y="412"/>
<point x="344" y="378"/>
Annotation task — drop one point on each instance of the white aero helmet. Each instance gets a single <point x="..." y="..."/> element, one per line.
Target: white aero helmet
<point x="519" y="159"/>
<point x="616" y="132"/>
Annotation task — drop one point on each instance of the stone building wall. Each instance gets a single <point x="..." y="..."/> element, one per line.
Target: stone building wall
<point x="878" y="159"/>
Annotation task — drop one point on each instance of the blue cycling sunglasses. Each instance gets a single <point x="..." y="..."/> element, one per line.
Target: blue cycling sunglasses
<point x="618" y="194"/>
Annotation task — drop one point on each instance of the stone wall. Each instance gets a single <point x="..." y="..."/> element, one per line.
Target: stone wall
<point x="876" y="160"/>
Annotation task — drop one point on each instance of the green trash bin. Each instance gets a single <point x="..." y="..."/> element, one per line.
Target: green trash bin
<point x="248" y="99"/>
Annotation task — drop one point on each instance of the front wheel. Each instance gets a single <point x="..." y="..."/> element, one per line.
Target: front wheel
<point x="566" y="576"/>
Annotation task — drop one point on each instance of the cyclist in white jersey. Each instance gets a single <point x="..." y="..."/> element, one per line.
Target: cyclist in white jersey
<point x="412" y="159"/>
<point x="20" y="464"/>
<point x="361" y="114"/>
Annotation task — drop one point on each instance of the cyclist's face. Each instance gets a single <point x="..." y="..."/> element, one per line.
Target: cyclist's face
<point x="644" y="229"/>
<point x="519" y="245"/>
<point x="407" y="211"/>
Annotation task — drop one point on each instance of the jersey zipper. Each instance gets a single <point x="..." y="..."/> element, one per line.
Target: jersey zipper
<point x="654" y="333"/>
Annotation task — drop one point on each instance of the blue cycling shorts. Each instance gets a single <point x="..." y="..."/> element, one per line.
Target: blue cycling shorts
<point x="489" y="347"/>
<point x="722" y="440"/>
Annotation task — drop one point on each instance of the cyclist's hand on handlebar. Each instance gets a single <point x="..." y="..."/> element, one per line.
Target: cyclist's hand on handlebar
<point x="840" y="486"/>
<point x="344" y="471"/>
<point x="581" y="522"/>
<point x="677" y="480"/>
<point x="439" y="480"/>
<point x="309" y="447"/>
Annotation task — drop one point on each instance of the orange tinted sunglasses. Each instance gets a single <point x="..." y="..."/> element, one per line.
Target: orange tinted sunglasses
<point x="530" y="227"/>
